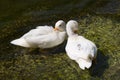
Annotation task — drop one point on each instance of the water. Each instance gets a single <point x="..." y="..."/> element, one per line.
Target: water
<point x="19" y="16"/>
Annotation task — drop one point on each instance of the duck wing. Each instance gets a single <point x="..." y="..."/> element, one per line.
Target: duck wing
<point x="40" y="30"/>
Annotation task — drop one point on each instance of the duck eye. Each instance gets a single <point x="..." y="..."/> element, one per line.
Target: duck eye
<point x="60" y="25"/>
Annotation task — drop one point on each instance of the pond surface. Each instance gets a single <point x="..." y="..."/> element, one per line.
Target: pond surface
<point x="99" y="21"/>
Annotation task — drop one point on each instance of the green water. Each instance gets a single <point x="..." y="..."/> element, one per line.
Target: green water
<point x="99" y="21"/>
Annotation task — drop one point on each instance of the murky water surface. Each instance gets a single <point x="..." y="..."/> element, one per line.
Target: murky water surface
<point x="19" y="16"/>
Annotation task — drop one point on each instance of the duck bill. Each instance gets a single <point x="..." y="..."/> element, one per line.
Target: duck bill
<point x="76" y="31"/>
<point x="56" y="29"/>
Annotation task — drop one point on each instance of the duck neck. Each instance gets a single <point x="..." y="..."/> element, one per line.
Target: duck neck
<point x="70" y="32"/>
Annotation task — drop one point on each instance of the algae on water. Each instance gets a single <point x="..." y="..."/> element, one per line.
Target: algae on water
<point x="17" y="63"/>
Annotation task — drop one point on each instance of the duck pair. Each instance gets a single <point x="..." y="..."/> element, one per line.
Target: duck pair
<point x="78" y="48"/>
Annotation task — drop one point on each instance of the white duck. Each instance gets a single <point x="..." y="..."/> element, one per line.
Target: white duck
<point x="78" y="48"/>
<point x="43" y="36"/>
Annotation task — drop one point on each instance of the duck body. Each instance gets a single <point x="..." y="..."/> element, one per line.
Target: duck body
<point x="80" y="49"/>
<point x="41" y="37"/>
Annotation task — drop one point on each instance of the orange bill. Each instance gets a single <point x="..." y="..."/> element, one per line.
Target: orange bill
<point x="56" y="29"/>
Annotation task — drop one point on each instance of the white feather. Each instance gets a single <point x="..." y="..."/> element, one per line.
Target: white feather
<point x="42" y="37"/>
<point x="20" y="42"/>
<point x="78" y="48"/>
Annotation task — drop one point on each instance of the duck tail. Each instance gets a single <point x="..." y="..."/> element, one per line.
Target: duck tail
<point x="20" y="42"/>
<point x="83" y="64"/>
